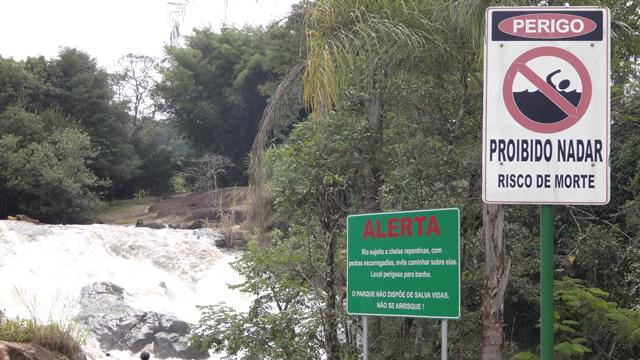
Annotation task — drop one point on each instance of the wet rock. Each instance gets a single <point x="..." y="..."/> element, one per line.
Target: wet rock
<point x="151" y="225"/>
<point x="168" y="345"/>
<point x="233" y="236"/>
<point x="222" y="242"/>
<point x="216" y="215"/>
<point x="118" y="326"/>
<point x="197" y="224"/>
<point x="241" y="238"/>
<point x="25" y="218"/>
<point x="80" y="356"/>
<point x="172" y="325"/>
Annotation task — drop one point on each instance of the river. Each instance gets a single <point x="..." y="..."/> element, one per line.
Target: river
<point x="44" y="267"/>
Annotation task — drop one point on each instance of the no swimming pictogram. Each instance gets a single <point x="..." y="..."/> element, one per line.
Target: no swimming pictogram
<point x="556" y="104"/>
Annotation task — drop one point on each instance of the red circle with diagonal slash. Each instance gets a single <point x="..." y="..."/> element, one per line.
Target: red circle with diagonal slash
<point x="574" y="113"/>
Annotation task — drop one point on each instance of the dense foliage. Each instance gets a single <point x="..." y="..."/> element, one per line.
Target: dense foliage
<point x="215" y="88"/>
<point x="63" y="140"/>
<point x="74" y="135"/>
<point x="397" y="97"/>
<point x="67" y="143"/>
<point x="45" y="162"/>
<point x="393" y="118"/>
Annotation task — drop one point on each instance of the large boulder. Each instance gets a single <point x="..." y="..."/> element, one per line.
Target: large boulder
<point x="118" y="326"/>
<point x="233" y="236"/>
<point x="27" y="219"/>
<point x="151" y="225"/>
<point x="20" y="351"/>
<point x="167" y="345"/>
<point x="197" y="224"/>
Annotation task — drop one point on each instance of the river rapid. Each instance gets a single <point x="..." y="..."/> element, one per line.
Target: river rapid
<point x="44" y="267"/>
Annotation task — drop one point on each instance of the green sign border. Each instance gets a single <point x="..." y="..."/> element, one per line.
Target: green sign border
<point x="457" y="210"/>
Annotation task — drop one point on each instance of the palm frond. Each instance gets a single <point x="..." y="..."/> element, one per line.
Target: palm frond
<point x="289" y="88"/>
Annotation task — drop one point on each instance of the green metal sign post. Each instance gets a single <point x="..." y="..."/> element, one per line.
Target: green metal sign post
<point x="546" y="281"/>
<point x="404" y="264"/>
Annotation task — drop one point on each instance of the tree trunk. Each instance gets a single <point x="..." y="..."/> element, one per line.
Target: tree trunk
<point x="373" y="117"/>
<point x="496" y="276"/>
<point x="330" y="318"/>
<point x="332" y="207"/>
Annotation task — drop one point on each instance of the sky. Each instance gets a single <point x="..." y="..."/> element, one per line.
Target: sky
<point x="109" y="29"/>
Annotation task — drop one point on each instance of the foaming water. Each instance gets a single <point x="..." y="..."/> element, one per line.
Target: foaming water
<point x="167" y="271"/>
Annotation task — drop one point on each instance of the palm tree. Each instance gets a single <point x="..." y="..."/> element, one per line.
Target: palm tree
<point x="177" y="10"/>
<point x="365" y="42"/>
<point x="362" y="44"/>
<point x="348" y="44"/>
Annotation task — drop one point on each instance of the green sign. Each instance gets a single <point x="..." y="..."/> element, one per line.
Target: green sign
<point x="404" y="264"/>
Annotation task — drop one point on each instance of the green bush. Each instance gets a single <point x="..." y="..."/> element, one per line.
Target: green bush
<point x="17" y="330"/>
<point x="45" y="169"/>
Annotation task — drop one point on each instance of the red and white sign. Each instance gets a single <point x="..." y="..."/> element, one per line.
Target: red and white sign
<point x="546" y="106"/>
<point x="547" y="26"/>
<point x="573" y="112"/>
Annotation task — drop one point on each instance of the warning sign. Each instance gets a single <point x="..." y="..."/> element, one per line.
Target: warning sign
<point x="552" y="105"/>
<point x="546" y="113"/>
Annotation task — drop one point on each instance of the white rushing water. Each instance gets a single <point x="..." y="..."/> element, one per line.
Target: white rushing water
<point x="44" y="267"/>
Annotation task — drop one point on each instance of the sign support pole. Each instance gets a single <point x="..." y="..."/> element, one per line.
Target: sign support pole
<point x="546" y="282"/>
<point x="365" y="338"/>
<point x="445" y="339"/>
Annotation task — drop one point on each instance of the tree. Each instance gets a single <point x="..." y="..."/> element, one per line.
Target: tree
<point x="82" y="91"/>
<point x="207" y="170"/>
<point x="351" y="45"/>
<point x="290" y="271"/>
<point x="152" y="137"/>
<point x="376" y="42"/>
<point x="44" y="161"/>
<point x="133" y="86"/>
<point x="163" y="154"/>
<point x="278" y="324"/>
<point x="424" y="59"/>
<point x="22" y="83"/>
<point x="495" y="282"/>
<point x="210" y="91"/>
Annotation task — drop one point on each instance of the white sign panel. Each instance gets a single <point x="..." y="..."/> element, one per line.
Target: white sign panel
<point x="546" y="106"/>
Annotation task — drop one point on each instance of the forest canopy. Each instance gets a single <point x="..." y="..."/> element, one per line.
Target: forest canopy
<point x="182" y="123"/>
<point x="344" y="107"/>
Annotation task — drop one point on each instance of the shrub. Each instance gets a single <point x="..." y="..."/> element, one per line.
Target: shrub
<point x="17" y="330"/>
<point x="65" y="339"/>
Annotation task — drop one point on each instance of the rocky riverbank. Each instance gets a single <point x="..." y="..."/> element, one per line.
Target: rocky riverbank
<point x="216" y="207"/>
<point x="134" y="288"/>
<point x="118" y="326"/>
<point x="224" y="209"/>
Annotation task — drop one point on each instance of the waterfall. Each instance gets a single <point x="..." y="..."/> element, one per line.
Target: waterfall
<point x="44" y="267"/>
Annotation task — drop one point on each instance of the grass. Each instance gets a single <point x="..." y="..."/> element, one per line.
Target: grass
<point x="63" y="336"/>
<point x="227" y="219"/>
<point x="124" y="212"/>
<point x="17" y="330"/>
